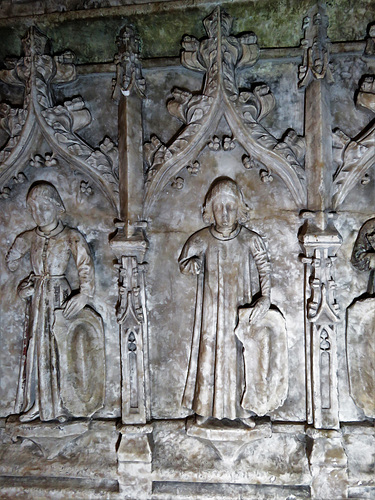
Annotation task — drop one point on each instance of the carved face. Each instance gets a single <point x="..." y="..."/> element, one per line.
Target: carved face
<point x="225" y="210"/>
<point x="371" y="239"/>
<point x="44" y="211"/>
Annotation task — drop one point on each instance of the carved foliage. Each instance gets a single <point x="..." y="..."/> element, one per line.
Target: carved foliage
<point x="128" y="66"/>
<point x="36" y="71"/>
<point x="355" y="156"/>
<point x="219" y="56"/>
<point x="316" y="53"/>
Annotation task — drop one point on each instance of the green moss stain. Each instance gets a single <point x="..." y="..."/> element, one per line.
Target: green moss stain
<point x="277" y="23"/>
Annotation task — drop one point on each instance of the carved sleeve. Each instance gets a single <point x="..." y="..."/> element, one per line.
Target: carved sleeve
<point x="84" y="263"/>
<point x="362" y="247"/>
<point x="260" y="255"/>
<point x="19" y="248"/>
<point x="192" y="254"/>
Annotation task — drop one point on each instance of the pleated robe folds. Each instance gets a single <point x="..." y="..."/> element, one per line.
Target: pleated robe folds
<point x="39" y="384"/>
<point x="232" y="270"/>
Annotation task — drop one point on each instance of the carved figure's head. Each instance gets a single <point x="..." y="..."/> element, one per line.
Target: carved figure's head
<point x="44" y="203"/>
<point x="370" y="236"/>
<point x="224" y="205"/>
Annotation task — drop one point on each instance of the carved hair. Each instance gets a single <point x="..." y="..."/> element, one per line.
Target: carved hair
<point x="224" y="185"/>
<point x="47" y="191"/>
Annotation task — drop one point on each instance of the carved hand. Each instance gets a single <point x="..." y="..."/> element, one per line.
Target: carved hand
<point x="260" y="309"/>
<point x="26" y="287"/>
<point x="12" y="264"/>
<point x="192" y="266"/>
<point x="74" y="305"/>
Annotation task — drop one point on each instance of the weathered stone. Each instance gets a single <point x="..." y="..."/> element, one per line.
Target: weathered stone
<point x="242" y="376"/>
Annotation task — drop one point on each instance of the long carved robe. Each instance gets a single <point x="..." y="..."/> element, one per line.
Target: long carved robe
<point x="365" y="244"/>
<point x="231" y="273"/>
<point x="39" y="372"/>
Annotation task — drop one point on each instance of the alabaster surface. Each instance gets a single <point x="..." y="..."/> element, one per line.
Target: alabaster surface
<point x="187" y="305"/>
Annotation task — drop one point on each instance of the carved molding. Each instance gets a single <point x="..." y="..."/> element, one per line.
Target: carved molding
<point x="322" y="315"/>
<point x="39" y="117"/>
<point x="219" y="56"/>
<point x="132" y="318"/>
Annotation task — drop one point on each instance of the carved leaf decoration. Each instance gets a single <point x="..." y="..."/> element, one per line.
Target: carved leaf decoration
<point x="161" y="155"/>
<point x="150" y="149"/>
<point x="79" y="114"/>
<point x="358" y="154"/>
<point x="178" y="105"/>
<point x="230" y="52"/>
<point x="189" y="56"/>
<point x="250" y="50"/>
<point x="339" y="143"/>
<point x="296" y="143"/>
<point x="265" y="99"/>
<point x="100" y="163"/>
<point x="65" y="67"/>
<point x="110" y="150"/>
<point x="10" y="76"/>
<point x="211" y="23"/>
<point x="57" y="124"/>
<point x="257" y="104"/>
<point x="12" y="120"/>
<point x="58" y="118"/>
<point x="358" y="158"/>
<point x="220" y="97"/>
<point x="366" y="96"/>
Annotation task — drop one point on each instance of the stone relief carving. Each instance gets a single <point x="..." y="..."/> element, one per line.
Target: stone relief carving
<point x="219" y="56"/>
<point x="370" y="43"/>
<point x="316" y="54"/>
<point x="233" y="270"/>
<point x="360" y="333"/>
<point x="253" y="356"/>
<point x="128" y="66"/>
<point x="58" y="357"/>
<point x="129" y="242"/>
<point x="318" y="236"/>
<point x="133" y="335"/>
<point x="355" y="156"/>
<point x="37" y="71"/>
<point x="323" y="313"/>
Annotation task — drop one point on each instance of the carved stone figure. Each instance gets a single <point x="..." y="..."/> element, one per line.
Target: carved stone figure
<point x="360" y="335"/>
<point x="232" y="267"/>
<point x="46" y="289"/>
<point x="363" y="256"/>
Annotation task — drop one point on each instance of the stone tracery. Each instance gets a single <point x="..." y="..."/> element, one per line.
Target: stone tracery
<point x="153" y="311"/>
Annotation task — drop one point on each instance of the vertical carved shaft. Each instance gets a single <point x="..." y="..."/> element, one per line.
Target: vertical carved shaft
<point x="129" y="242"/>
<point x="322" y="313"/>
<point x="128" y="91"/>
<point x="131" y="315"/>
<point x="315" y="77"/>
<point x="130" y="161"/>
<point x="318" y="132"/>
<point x="319" y="238"/>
